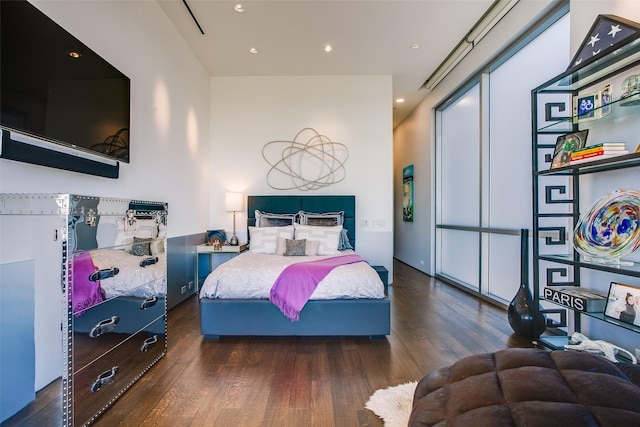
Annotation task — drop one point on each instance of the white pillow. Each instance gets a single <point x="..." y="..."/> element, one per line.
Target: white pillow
<point x="329" y="237"/>
<point x="156" y="246"/>
<point x="263" y="240"/>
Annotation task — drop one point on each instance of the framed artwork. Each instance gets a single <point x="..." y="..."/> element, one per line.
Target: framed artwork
<point x="623" y="303"/>
<point x="407" y="194"/>
<point x="567" y="144"/>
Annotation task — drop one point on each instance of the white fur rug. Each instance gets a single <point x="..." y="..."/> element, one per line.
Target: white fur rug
<point x="393" y="404"/>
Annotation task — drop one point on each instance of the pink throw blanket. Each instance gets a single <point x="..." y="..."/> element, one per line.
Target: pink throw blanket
<point x="85" y="292"/>
<point x="294" y="286"/>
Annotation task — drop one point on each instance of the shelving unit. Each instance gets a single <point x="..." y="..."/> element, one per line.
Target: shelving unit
<point x="557" y="192"/>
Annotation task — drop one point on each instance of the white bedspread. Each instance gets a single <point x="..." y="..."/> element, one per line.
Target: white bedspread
<point x="132" y="280"/>
<point x="251" y="276"/>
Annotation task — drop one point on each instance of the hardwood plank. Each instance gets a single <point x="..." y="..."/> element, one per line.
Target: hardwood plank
<point x="262" y="381"/>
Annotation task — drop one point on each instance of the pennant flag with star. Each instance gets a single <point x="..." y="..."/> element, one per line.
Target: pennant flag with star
<point x="607" y="33"/>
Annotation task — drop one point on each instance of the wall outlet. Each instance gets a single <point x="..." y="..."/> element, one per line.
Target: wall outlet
<point x="191" y="285"/>
<point x="183" y="290"/>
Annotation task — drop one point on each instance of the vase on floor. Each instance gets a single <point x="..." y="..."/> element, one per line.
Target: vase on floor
<point x="524" y="315"/>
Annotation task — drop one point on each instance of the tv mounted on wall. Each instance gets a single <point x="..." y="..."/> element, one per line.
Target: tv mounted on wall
<point x="61" y="104"/>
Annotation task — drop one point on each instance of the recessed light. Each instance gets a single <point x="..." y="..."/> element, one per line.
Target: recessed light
<point x="254" y="50"/>
<point x="400" y="100"/>
<point x="238" y="8"/>
<point x="415" y="46"/>
<point x="74" y="54"/>
<point x="328" y="48"/>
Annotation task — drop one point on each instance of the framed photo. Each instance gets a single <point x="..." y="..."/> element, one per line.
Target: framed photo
<point x="605" y="101"/>
<point x="216" y="238"/>
<point x="623" y="303"/>
<point x="586" y="107"/>
<point x="567" y="144"/>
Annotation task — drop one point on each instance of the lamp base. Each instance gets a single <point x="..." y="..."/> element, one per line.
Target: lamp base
<point x="233" y="241"/>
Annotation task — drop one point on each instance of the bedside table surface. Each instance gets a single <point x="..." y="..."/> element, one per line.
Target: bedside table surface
<point x="208" y="249"/>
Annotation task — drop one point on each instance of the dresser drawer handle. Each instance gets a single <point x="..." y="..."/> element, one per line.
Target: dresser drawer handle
<point x="148" y="343"/>
<point x="104" y="274"/>
<point x="148" y="303"/>
<point x="103" y="379"/>
<point x="148" y="261"/>
<point x="104" y="326"/>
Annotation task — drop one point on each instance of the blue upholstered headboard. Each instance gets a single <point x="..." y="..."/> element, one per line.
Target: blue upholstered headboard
<point x="316" y="204"/>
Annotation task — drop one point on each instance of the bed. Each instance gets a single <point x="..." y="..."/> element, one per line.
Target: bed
<point x="226" y="311"/>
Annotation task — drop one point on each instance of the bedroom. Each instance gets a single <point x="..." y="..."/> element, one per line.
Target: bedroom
<point x="188" y="140"/>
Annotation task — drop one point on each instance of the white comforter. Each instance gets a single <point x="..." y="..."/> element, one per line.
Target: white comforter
<point x="251" y="276"/>
<point x="132" y="280"/>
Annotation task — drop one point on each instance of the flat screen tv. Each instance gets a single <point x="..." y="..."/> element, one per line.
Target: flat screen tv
<point x="62" y="105"/>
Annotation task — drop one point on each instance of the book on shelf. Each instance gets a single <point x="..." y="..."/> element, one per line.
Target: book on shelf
<point x="606" y="146"/>
<point x="596" y="156"/>
<point x="576" y="298"/>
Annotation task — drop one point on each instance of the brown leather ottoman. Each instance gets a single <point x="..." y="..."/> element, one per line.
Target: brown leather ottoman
<point x="529" y="387"/>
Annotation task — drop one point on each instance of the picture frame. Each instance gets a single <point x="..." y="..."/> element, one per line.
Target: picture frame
<point x="216" y="238"/>
<point x="623" y="303"/>
<point x="407" y="194"/>
<point x="605" y="101"/>
<point x="586" y="107"/>
<point x="567" y="144"/>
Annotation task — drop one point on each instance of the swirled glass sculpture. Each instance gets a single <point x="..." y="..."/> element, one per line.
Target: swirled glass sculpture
<point x="309" y="162"/>
<point x="610" y="229"/>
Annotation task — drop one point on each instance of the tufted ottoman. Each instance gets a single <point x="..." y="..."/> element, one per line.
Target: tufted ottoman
<point x="529" y="387"/>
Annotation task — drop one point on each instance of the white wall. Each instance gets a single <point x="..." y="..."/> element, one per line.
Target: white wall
<point x="169" y="133"/>
<point x="248" y="112"/>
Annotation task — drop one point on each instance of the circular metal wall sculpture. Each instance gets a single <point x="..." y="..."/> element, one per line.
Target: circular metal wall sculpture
<point x="309" y="162"/>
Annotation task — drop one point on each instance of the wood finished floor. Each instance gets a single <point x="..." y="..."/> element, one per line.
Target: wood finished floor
<point x="303" y="381"/>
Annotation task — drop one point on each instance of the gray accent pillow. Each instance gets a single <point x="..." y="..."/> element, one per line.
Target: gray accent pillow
<point x="266" y="219"/>
<point x="141" y="247"/>
<point x="326" y="219"/>
<point x="295" y="247"/>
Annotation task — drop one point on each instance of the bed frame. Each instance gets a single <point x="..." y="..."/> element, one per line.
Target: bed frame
<point x="355" y="317"/>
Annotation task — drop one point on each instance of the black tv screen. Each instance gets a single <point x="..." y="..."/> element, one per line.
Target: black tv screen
<point x="56" y="89"/>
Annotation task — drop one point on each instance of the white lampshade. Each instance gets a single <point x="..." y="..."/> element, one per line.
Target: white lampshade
<point x="233" y="201"/>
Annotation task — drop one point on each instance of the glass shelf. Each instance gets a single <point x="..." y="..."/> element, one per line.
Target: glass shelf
<point x="586" y="75"/>
<point x="599" y="316"/>
<point x="629" y="270"/>
<point x="618" y="110"/>
<point x="619" y="162"/>
<point x="557" y="342"/>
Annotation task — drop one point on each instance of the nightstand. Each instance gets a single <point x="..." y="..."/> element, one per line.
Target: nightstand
<point x="215" y="258"/>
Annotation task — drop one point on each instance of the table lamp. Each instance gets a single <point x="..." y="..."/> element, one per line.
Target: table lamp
<point x="233" y="203"/>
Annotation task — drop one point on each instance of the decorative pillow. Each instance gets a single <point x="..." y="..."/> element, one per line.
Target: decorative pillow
<point x="344" y="241"/>
<point x="311" y="248"/>
<point x="263" y="240"/>
<point x="329" y="237"/>
<point x="295" y="247"/>
<point x="266" y="219"/>
<point x="156" y="246"/>
<point x="141" y="247"/>
<point x="145" y="228"/>
<point x="326" y="219"/>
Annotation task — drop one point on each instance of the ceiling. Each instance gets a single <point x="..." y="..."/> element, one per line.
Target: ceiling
<point x="369" y="37"/>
